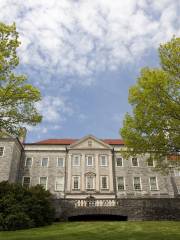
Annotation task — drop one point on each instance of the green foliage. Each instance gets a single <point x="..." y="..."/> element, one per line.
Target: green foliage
<point x="17" y="98"/>
<point x="18" y="220"/>
<point x="24" y="208"/>
<point x="38" y="212"/>
<point x="154" y="125"/>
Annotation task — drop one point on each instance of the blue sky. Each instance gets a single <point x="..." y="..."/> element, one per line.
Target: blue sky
<point x="84" y="55"/>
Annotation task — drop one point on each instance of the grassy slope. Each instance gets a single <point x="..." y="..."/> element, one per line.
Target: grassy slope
<point x="99" y="231"/>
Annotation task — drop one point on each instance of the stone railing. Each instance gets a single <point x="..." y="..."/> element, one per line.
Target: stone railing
<point x="108" y="202"/>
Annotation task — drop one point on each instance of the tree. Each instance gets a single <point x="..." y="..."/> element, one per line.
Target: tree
<point x="22" y="208"/>
<point x="17" y="98"/>
<point x="154" y="125"/>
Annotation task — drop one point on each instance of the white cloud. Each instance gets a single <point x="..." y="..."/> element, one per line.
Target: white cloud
<point x="54" y="109"/>
<point x="71" y="41"/>
<point x="84" y="37"/>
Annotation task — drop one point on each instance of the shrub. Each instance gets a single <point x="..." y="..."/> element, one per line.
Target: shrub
<point x="24" y="208"/>
<point x="19" y="220"/>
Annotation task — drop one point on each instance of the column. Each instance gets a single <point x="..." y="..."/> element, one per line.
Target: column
<point x="69" y="175"/>
<point x="110" y="174"/>
<point x="96" y="162"/>
<point x="83" y="162"/>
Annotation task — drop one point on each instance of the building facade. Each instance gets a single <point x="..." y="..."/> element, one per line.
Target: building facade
<point x="78" y="169"/>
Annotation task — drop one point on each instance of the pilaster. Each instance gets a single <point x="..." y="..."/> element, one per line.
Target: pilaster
<point x="110" y="174"/>
<point x="83" y="162"/>
<point x="96" y="162"/>
<point x="69" y="177"/>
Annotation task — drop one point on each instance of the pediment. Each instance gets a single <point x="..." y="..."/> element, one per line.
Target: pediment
<point x="89" y="142"/>
<point x="90" y="174"/>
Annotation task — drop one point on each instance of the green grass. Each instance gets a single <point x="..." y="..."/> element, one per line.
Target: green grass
<point x="99" y="231"/>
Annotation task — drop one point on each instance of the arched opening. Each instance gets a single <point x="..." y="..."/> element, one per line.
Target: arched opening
<point x="97" y="217"/>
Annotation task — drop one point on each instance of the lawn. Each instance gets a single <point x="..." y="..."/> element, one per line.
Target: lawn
<point x="99" y="230"/>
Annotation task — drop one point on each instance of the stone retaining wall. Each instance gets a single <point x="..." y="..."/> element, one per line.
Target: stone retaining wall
<point x="134" y="209"/>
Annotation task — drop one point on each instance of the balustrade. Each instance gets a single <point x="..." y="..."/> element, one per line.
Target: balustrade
<point x="92" y="202"/>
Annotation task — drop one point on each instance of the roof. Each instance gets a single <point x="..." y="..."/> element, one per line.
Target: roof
<point x="68" y="141"/>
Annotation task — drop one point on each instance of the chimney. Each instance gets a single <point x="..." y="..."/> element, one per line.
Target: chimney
<point x="22" y="134"/>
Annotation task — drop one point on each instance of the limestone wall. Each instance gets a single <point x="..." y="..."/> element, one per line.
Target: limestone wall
<point x="10" y="161"/>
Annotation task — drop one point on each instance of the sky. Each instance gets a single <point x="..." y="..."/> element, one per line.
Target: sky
<point x="84" y="55"/>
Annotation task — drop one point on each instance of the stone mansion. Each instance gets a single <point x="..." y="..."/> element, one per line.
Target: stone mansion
<point x="79" y="168"/>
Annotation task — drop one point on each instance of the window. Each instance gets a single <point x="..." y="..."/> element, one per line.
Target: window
<point x="60" y="162"/>
<point x="76" y="182"/>
<point x="153" y="183"/>
<point x="43" y="182"/>
<point x="28" y="162"/>
<point x="104" y="182"/>
<point x="26" y="182"/>
<point x="90" y="182"/>
<point x="89" y="160"/>
<point x="150" y="162"/>
<point x="44" y="162"/>
<point x="1" y="151"/>
<point x="177" y="173"/>
<point x="134" y="162"/>
<point x="59" y="184"/>
<point x="76" y="161"/>
<point x="137" y="183"/>
<point x="120" y="183"/>
<point x="119" y="162"/>
<point x="103" y="161"/>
